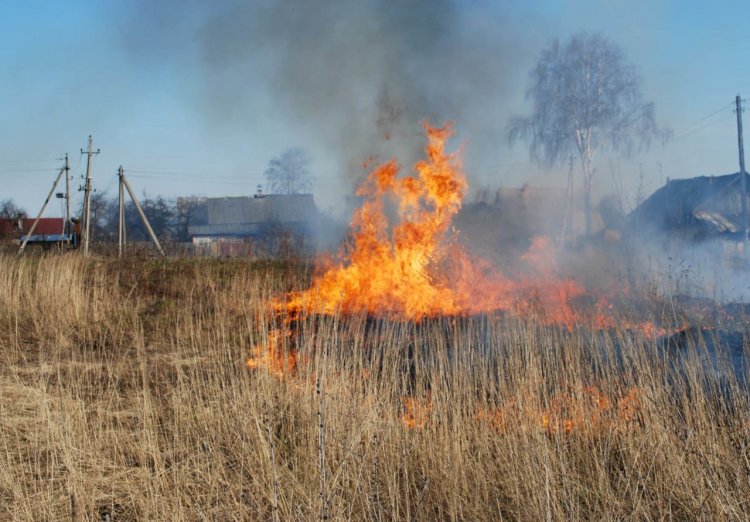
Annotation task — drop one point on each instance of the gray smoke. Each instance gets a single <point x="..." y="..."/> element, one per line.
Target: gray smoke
<point x="340" y="74"/>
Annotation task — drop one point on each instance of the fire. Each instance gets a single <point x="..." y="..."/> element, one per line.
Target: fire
<point x="273" y="356"/>
<point x="586" y="409"/>
<point x="416" y="413"/>
<point x="412" y="267"/>
<point x="398" y="274"/>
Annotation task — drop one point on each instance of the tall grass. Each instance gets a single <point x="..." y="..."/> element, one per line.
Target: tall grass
<point x="124" y="391"/>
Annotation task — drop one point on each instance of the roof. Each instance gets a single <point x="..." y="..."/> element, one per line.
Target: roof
<point x="252" y="215"/>
<point x="710" y="202"/>
<point x="718" y="222"/>
<point x="45" y="227"/>
<point x="276" y="208"/>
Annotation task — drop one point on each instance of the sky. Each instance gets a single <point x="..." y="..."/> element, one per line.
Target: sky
<point x="195" y="98"/>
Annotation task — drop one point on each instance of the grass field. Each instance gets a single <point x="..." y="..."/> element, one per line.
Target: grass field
<point x="124" y="392"/>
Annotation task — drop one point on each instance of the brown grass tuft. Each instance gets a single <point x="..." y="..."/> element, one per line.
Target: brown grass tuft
<point x="124" y="391"/>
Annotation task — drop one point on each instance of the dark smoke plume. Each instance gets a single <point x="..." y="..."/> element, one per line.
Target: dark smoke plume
<point x="342" y="74"/>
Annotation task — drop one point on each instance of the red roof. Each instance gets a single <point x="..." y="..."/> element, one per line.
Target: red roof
<point x="45" y="227"/>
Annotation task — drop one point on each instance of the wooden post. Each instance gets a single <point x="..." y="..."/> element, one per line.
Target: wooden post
<point x="39" y="216"/>
<point x="121" y="215"/>
<point x="743" y="178"/>
<point x="66" y="228"/>
<point x="144" y="219"/>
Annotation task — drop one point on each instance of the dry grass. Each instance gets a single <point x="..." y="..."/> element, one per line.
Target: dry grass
<point x="124" y="391"/>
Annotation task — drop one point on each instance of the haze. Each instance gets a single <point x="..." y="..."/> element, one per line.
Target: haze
<point x="196" y="97"/>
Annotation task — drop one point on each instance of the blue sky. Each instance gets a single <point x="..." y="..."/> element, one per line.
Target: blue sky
<point x="190" y="101"/>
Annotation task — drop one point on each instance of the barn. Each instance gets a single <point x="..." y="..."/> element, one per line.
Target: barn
<point x="247" y="225"/>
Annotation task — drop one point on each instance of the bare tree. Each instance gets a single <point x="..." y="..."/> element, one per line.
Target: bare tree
<point x="161" y="213"/>
<point x="189" y="211"/>
<point x="9" y="210"/>
<point x="586" y="96"/>
<point x="103" y="216"/>
<point x="289" y="173"/>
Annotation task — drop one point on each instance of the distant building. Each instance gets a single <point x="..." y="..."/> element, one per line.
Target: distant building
<point x="501" y="222"/>
<point x="47" y="233"/>
<point x="244" y="225"/>
<point x="696" y="208"/>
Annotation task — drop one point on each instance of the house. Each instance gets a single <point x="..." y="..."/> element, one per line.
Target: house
<point x="696" y="208"/>
<point x="47" y="233"/>
<point x="45" y="227"/>
<point x="233" y="226"/>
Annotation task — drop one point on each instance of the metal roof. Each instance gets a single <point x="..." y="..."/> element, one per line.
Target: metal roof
<point x="253" y="215"/>
<point x="712" y="201"/>
<point x="293" y="208"/>
<point x="45" y="227"/>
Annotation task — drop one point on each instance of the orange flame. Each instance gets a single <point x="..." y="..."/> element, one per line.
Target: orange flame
<point x="585" y="410"/>
<point x="413" y="268"/>
<point x="416" y="271"/>
<point x="396" y="275"/>
<point x="416" y="413"/>
<point x="273" y="357"/>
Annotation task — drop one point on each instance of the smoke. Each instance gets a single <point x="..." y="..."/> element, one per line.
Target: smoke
<point x="351" y="79"/>
<point x="712" y="268"/>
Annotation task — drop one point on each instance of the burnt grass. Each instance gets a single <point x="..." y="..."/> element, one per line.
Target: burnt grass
<point x="719" y="352"/>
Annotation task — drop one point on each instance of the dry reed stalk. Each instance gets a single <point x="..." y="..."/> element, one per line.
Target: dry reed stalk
<point x="125" y="382"/>
<point x="272" y="454"/>
<point x="322" y="453"/>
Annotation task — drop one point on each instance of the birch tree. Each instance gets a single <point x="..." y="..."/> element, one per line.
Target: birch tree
<point x="586" y="96"/>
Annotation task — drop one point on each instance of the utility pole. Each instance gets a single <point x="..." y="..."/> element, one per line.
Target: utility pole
<point x="39" y="216"/>
<point x="743" y="177"/>
<point x="66" y="229"/>
<point x="121" y="213"/>
<point x="87" y="198"/>
<point x="142" y="214"/>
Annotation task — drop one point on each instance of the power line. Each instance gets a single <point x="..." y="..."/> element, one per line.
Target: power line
<point x="201" y="180"/>
<point x="183" y="172"/>
<point x="723" y="108"/>
<point x="14" y="171"/>
<point x="702" y="123"/>
<point x="31" y="161"/>
<point x="192" y="174"/>
<point x="694" y="131"/>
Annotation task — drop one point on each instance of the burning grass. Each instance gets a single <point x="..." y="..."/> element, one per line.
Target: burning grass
<point x="125" y="390"/>
<point x="404" y="380"/>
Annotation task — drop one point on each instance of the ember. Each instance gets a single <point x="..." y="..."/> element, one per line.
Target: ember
<point x="586" y="409"/>
<point x="416" y="413"/>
